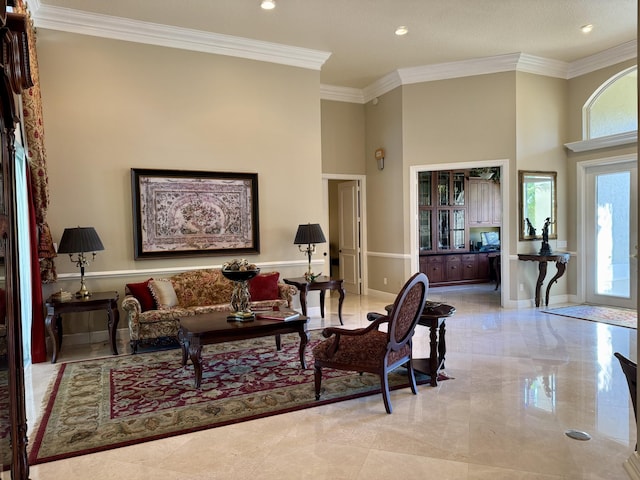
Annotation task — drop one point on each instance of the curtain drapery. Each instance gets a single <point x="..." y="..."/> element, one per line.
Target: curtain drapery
<point x="43" y="253"/>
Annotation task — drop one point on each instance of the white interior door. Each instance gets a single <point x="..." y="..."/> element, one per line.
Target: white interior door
<point x="349" y="238"/>
<point x="611" y="234"/>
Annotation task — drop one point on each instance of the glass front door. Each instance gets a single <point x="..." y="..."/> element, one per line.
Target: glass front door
<point x="612" y="234"/>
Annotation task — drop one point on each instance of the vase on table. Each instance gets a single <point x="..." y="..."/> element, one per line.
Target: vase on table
<point x="240" y="298"/>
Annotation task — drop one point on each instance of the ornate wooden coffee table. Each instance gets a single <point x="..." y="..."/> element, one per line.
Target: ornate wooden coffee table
<point x="210" y="328"/>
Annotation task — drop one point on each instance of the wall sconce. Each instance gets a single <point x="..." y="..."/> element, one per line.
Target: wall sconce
<point x="80" y="240"/>
<point x="380" y="158"/>
<point x="309" y="235"/>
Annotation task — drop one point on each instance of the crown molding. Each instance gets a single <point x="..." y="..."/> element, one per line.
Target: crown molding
<point x="382" y="85"/>
<point x="616" y="140"/>
<point x="466" y="68"/>
<point x="341" y="94"/>
<point x="74" y="21"/>
<point x="606" y="58"/>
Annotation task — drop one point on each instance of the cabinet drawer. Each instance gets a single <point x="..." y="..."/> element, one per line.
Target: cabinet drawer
<point x="469" y="267"/>
<point x="453" y="268"/>
<point x="433" y="268"/>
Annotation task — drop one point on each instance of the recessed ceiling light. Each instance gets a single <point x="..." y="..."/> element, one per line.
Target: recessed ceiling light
<point x="586" y="28"/>
<point x="268" y="4"/>
<point x="402" y="30"/>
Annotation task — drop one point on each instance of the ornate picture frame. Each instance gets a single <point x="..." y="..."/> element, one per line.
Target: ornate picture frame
<point x="181" y="213"/>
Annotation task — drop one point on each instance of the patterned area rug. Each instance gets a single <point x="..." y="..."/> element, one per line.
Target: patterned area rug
<point x="106" y="403"/>
<point x="613" y="316"/>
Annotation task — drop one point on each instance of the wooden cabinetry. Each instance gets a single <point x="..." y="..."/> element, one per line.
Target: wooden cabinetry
<point x="455" y="268"/>
<point x="449" y="203"/>
<point x="484" y="205"/>
<point x="442" y="211"/>
<point x="483" y="266"/>
<point x="433" y="267"/>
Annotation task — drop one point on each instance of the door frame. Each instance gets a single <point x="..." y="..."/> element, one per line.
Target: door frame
<point x="362" y="195"/>
<point x="505" y="229"/>
<point x="581" y="188"/>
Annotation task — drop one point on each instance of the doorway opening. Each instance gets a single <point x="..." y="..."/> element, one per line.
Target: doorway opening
<point x="346" y="220"/>
<point x="414" y="227"/>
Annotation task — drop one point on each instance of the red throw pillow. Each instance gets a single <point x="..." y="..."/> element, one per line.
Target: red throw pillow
<point x="143" y="294"/>
<point x="264" y="286"/>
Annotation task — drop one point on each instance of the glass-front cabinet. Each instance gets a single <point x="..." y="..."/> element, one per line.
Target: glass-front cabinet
<point x="442" y="223"/>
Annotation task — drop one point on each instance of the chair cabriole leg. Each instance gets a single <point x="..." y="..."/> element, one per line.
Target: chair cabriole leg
<point x="318" y="380"/>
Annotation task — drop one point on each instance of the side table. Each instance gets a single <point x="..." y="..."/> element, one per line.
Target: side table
<point x="433" y="316"/>
<point x="97" y="301"/>
<point x="322" y="283"/>
<point x="561" y="260"/>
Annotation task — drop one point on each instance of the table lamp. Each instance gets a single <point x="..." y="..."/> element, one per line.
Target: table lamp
<point x="79" y="241"/>
<point x="309" y="235"/>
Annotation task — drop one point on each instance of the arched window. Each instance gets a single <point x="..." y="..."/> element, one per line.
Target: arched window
<point x="612" y="108"/>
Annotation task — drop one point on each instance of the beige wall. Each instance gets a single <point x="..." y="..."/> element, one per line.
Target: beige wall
<point x="343" y="138"/>
<point x="112" y="105"/>
<point x="441" y="122"/>
<point x="542" y="121"/>
<point x="385" y="197"/>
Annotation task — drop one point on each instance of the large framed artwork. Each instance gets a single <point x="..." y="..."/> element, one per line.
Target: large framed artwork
<point x="191" y="213"/>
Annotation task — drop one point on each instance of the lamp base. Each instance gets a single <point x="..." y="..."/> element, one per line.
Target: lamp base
<point x="83" y="292"/>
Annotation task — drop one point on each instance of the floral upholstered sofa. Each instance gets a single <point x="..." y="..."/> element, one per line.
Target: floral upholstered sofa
<point x="153" y="308"/>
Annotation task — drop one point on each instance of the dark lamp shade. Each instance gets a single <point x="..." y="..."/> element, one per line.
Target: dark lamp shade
<point x="80" y="240"/>
<point x="311" y="233"/>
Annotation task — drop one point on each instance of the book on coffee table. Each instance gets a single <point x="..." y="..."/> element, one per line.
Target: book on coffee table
<point x="283" y="315"/>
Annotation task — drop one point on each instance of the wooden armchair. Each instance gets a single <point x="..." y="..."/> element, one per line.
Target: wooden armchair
<point x="371" y="350"/>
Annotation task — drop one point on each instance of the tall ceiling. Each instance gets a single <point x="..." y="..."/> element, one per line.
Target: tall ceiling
<point x="359" y="34"/>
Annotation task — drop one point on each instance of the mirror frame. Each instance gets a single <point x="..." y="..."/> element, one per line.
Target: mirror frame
<point x="523" y="176"/>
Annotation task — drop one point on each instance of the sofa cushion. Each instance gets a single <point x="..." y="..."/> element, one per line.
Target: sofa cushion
<point x="202" y="287"/>
<point x="143" y="294"/>
<point x="264" y="286"/>
<point x="163" y="292"/>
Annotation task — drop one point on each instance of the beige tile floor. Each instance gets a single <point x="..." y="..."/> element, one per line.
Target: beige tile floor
<point x="521" y="379"/>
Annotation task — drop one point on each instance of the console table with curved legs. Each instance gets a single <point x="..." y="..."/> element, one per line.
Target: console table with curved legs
<point x="561" y="260"/>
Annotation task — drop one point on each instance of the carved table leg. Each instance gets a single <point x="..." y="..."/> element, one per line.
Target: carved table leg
<point x="542" y="268"/>
<point x="184" y="346"/>
<point x="51" y="322"/>
<point x="433" y="352"/>
<point x="195" y="351"/>
<point x="303" y="299"/>
<point x="322" y="292"/>
<point x="561" y="267"/>
<point x="442" y="345"/>
<point x="304" y="339"/>
<point x="340" y="300"/>
<point x="113" y="317"/>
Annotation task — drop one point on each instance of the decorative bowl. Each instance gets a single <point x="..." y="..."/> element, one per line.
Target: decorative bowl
<point x="240" y="275"/>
